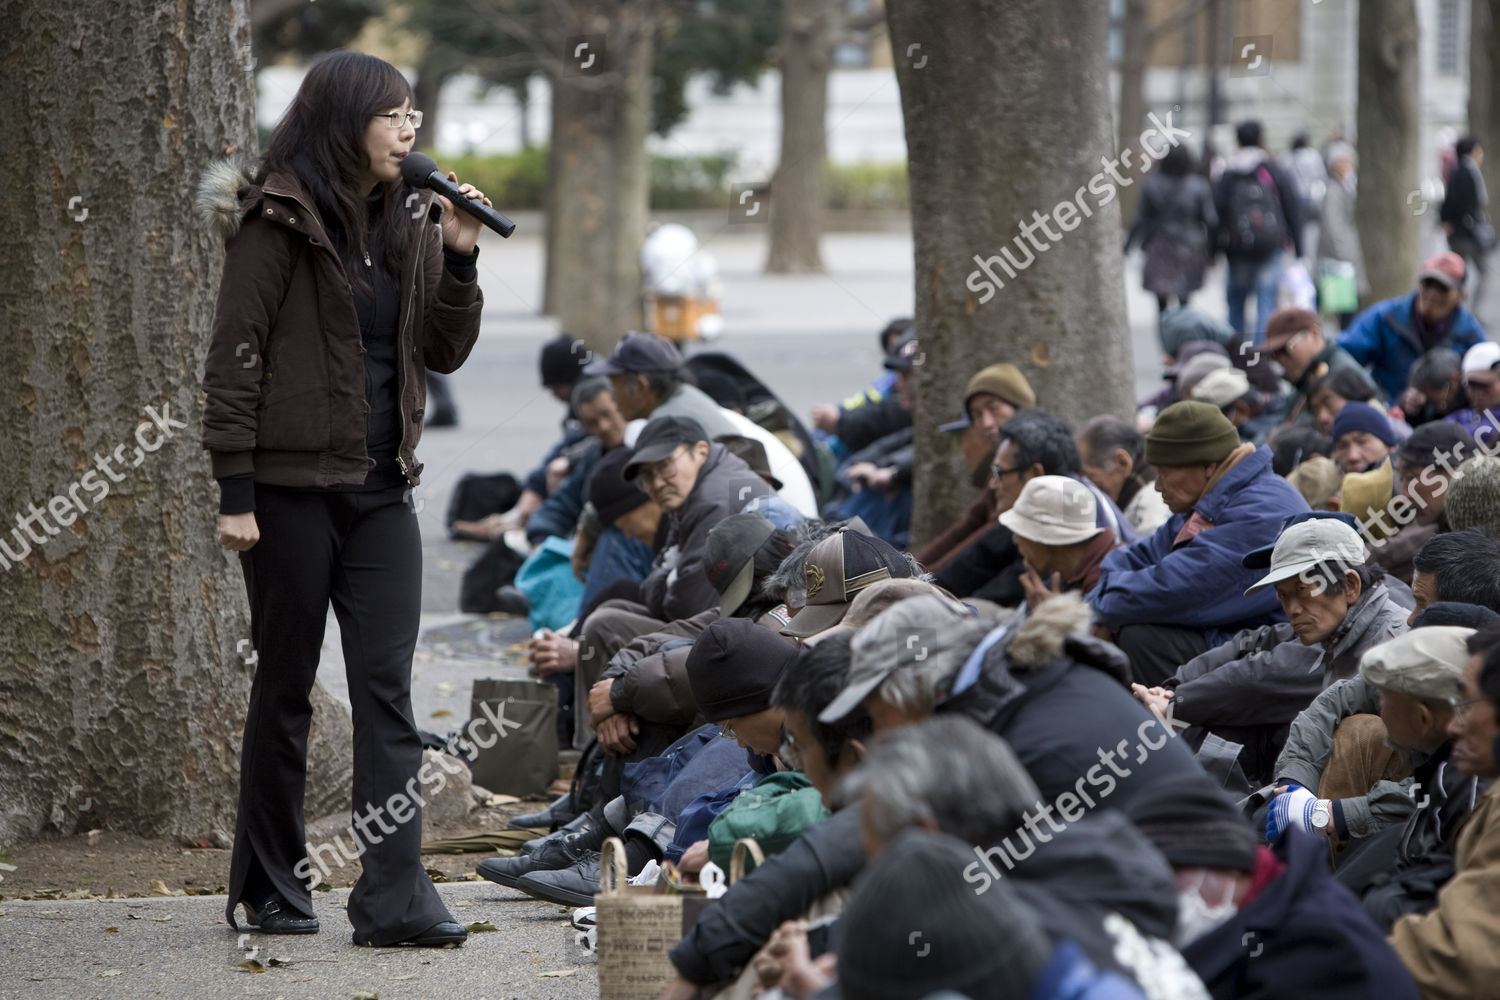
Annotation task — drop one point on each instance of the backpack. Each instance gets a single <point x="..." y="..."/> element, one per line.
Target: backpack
<point x="1253" y="217"/>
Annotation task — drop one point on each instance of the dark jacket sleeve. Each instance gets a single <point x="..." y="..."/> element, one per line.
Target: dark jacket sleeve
<point x="450" y="321"/>
<point x="1288" y="190"/>
<point x="826" y="857"/>
<point x="650" y="673"/>
<point x="689" y="592"/>
<point x="258" y="262"/>
<point x="862" y="427"/>
<point x="949" y="543"/>
<point x="1263" y="676"/>
<point x="558" y="514"/>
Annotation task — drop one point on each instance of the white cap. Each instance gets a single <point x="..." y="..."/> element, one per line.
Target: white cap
<point x="1054" y="510"/>
<point x="1222" y="387"/>
<point x="1482" y="357"/>
<point x="1307" y="544"/>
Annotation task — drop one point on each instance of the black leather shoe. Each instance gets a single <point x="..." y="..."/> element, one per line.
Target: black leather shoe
<point x="275" y="917"/>
<point x="572" y="886"/>
<point x="563" y="852"/>
<point x="511" y="601"/>
<point x="582" y="823"/>
<point x="445" y="934"/>
<point x="552" y="817"/>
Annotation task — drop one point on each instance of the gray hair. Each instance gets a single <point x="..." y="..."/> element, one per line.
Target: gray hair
<point x="949" y="771"/>
<point x="929" y="640"/>
<point x="790" y="577"/>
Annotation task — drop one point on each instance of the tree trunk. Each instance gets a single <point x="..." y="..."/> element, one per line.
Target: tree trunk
<point x="1387" y="123"/>
<point x="1061" y="316"/>
<point x="122" y="696"/>
<point x="600" y="183"/>
<point x="1135" y="27"/>
<point x="1484" y="108"/>
<point x="805" y="52"/>
<point x="433" y="72"/>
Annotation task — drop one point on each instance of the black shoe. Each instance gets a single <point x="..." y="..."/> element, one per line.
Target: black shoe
<point x="551" y="854"/>
<point x="559" y="812"/>
<point x="582" y="823"/>
<point x="445" y="934"/>
<point x="511" y="601"/>
<point x="274" y="917"/>
<point x="572" y="886"/>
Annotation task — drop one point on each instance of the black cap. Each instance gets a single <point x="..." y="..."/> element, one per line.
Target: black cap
<point x="729" y="557"/>
<point x="660" y="438"/>
<point x="610" y="494"/>
<point x="563" y="360"/>
<point x="1194" y="825"/>
<point x="1434" y="438"/>
<point x="903" y="356"/>
<point x="733" y="666"/>
<point x="638" y="352"/>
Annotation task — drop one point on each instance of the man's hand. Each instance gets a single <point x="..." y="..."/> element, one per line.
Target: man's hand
<point x="557" y="471"/>
<point x="617" y="734"/>
<point x="694" y="858"/>
<point x="786" y="962"/>
<point x="583" y="554"/>
<point x="1102" y="632"/>
<point x="553" y="654"/>
<point x="487" y="528"/>
<point x="1037" y="590"/>
<point x="600" y="705"/>
<point x="860" y="472"/>
<point x="1154" y="698"/>
<point x="238" y="532"/>
<point x="825" y="417"/>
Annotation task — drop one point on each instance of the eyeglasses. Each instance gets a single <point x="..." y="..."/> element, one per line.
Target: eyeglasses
<point x="665" y="469"/>
<point x="1277" y="353"/>
<point x="395" y="119"/>
<point x="728" y="733"/>
<point x="1475" y="384"/>
<point x="1461" y="708"/>
<point x="1002" y="473"/>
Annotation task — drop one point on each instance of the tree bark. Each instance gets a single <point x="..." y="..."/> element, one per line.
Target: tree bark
<point x="122" y="696"/>
<point x="1135" y="53"/>
<point x="1388" y="129"/>
<point x="805" y="52"/>
<point x="988" y="153"/>
<point x="1484" y="107"/>
<point x="600" y="182"/>
<point x="432" y="73"/>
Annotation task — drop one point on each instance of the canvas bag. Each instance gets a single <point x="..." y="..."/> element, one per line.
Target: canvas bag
<point x="773" y="812"/>
<point x="518" y="719"/>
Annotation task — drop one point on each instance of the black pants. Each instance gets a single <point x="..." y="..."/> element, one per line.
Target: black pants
<point x="363" y="552"/>
<point x="1156" y="651"/>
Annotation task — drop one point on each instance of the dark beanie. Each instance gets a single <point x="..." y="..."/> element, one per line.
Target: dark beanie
<point x="1363" y="417"/>
<point x="915" y="926"/>
<point x="733" y="666"/>
<point x="1194" y="825"/>
<point x="1434" y="438"/>
<point x="612" y="496"/>
<point x="1189" y="433"/>
<point x="1452" y="613"/>
<point x="562" y="361"/>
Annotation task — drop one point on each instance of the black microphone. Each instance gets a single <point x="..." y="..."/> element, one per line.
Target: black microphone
<point x="419" y="170"/>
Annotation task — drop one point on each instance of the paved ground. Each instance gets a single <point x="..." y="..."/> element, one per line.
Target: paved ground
<point x="812" y="338"/>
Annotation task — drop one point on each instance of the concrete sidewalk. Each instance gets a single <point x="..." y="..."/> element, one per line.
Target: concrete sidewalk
<point x="180" y="948"/>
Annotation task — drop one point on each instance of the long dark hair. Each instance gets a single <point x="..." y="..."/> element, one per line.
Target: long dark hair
<point x="321" y="138"/>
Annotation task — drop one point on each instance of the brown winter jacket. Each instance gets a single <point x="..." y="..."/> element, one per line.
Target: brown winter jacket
<point x="285" y="377"/>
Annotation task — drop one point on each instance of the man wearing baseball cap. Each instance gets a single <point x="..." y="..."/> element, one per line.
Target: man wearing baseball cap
<point x="1173" y="596"/>
<point x="649" y="380"/>
<point x="1294" y="339"/>
<point x="1054" y="523"/>
<point x="1481" y="380"/>
<point x="837" y="569"/>
<point x="1390" y="336"/>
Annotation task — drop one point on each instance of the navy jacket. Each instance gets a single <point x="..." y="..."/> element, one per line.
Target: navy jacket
<point x="1201" y="583"/>
<point x="1384" y="338"/>
<point x="1303" y="935"/>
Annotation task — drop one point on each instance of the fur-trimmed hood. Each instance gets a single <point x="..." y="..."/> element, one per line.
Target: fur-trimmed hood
<point x="1060" y="626"/>
<point x="223" y="194"/>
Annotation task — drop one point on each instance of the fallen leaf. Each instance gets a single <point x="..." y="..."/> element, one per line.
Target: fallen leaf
<point x="159" y="888"/>
<point x="277" y="962"/>
<point x="77" y="894"/>
<point x="465" y="902"/>
<point x="251" y="966"/>
<point x="322" y="887"/>
<point x="441" y="713"/>
<point x="107" y="930"/>
<point x="110" y="972"/>
<point x="162" y="919"/>
<point x="558" y="974"/>
<point x="480" y="925"/>
<point x="367" y="996"/>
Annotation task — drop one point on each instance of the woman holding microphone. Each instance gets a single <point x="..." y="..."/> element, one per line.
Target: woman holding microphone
<point x="340" y="289"/>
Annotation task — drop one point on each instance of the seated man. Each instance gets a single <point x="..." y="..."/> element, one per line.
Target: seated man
<point x="1054" y="522"/>
<point x="1344" y="773"/>
<point x="826" y="416"/>
<point x="1425" y="465"/>
<point x="1032" y="443"/>
<point x="836" y="570"/>
<point x="1389" y="336"/>
<point x="1453" y="950"/>
<point x="1436" y="387"/>
<point x="601" y="420"/>
<point x="1254" y="921"/>
<point x="1462" y="567"/>
<point x="1471" y="497"/>
<point x="1175" y="595"/>
<point x="1112" y="456"/>
<point x="1481" y="371"/>
<point x="1248" y="690"/>
<point x="994" y="395"/>
<point x="1294" y="338"/>
<point x="1362" y="437"/>
<point x="1328" y="395"/>
<point x="875" y="480"/>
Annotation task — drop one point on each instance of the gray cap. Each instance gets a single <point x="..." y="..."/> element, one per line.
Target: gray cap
<point x="1307" y="544"/>
<point x="931" y="630"/>
<point x="1423" y="663"/>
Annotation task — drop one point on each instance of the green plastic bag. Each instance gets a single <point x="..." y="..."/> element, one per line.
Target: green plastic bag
<point x="1338" y="288"/>
<point x="773" y="812"/>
